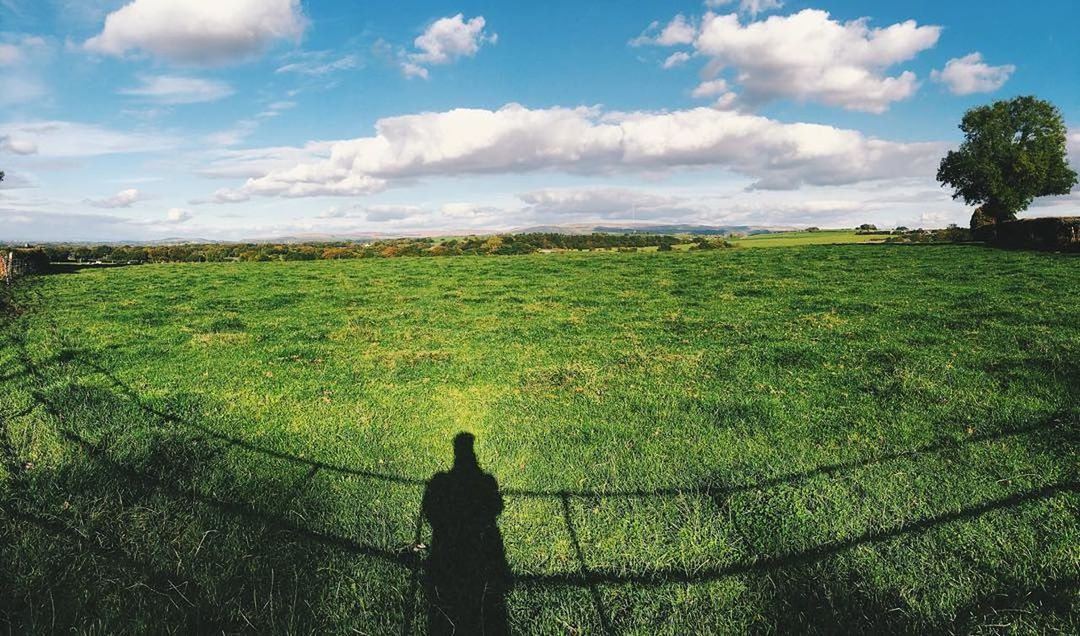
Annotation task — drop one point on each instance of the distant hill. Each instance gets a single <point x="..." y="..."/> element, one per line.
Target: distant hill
<point x="367" y="237"/>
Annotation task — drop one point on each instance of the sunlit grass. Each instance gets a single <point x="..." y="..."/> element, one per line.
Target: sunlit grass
<point x="819" y="237"/>
<point x="802" y="439"/>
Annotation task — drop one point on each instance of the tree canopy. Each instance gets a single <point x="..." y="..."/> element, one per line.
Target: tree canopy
<point x="1013" y="151"/>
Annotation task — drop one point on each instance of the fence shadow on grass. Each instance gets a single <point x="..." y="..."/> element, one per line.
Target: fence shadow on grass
<point x="253" y="542"/>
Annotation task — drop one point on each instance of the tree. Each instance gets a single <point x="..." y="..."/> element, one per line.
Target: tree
<point x="1013" y="152"/>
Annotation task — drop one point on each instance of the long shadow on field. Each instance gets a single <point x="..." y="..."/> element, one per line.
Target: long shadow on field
<point x="261" y="565"/>
<point x="467" y="576"/>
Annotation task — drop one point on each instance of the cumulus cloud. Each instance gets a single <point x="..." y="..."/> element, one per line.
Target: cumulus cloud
<point x="677" y="58"/>
<point x="172" y="89"/>
<point x="177" y="215"/>
<point x="808" y="56"/>
<point x="18" y="146"/>
<point x="515" y="139"/>
<point x="67" y="139"/>
<point x="122" y="199"/>
<point x="444" y="41"/>
<point x="717" y="88"/>
<point x="969" y="74"/>
<point x="679" y="31"/>
<point x="199" y="32"/>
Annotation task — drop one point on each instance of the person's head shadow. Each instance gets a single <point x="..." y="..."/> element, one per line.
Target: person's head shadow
<point x="466" y="574"/>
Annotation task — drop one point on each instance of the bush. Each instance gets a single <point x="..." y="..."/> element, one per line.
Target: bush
<point x="1048" y="233"/>
<point x="702" y="243"/>
<point x="31" y="261"/>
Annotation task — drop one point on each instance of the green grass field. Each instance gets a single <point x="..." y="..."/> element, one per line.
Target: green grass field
<point x="820" y="237"/>
<point x="860" y="438"/>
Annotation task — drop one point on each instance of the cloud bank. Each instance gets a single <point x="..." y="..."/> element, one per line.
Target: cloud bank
<point x="516" y="139"/>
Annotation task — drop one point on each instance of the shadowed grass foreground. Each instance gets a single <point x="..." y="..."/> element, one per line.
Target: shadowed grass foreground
<point x="853" y="438"/>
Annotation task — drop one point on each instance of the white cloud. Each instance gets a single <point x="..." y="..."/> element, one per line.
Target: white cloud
<point x="199" y="32"/>
<point x="122" y="199"/>
<point x="21" y="57"/>
<point x="808" y="56"/>
<point x="714" y="88"/>
<point x="753" y="7"/>
<point x="933" y="218"/>
<point x="969" y="74"/>
<point x="515" y="139"/>
<point x="316" y="65"/>
<point x="15" y="50"/>
<point x="678" y="31"/>
<point x="20" y="225"/>
<point x="10" y="55"/>
<point x="16" y="89"/>
<point x="383" y="213"/>
<point x="18" y="146"/>
<point x="333" y="212"/>
<point x="177" y="215"/>
<point x="444" y="41"/>
<point x="172" y="89"/>
<point x="227" y="195"/>
<point x="49" y="225"/>
<point x="414" y="70"/>
<point x="255" y="162"/>
<point x="71" y="139"/>
<point x="232" y="136"/>
<point x="676" y="59"/>
<point x="603" y="202"/>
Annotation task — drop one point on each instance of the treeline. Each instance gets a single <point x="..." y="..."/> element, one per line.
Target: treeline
<point x="951" y="234"/>
<point x="502" y="244"/>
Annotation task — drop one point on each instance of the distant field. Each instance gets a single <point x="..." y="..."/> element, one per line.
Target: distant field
<point x="851" y="439"/>
<point x="822" y="237"/>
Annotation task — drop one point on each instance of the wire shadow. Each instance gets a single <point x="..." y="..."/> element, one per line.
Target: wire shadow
<point x="585" y="577"/>
<point x="712" y="488"/>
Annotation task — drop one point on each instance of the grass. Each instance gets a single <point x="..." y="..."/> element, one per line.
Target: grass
<point x="819" y="237"/>
<point x="807" y="439"/>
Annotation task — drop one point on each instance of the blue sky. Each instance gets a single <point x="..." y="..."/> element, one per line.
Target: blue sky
<point x="232" y="119"/>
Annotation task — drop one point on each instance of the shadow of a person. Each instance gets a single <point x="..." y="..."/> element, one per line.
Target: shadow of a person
<point x="466" y="574"/>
